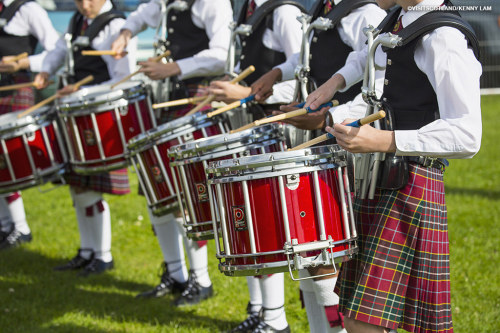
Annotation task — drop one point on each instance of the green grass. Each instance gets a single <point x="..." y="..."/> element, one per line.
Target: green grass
<point x="33" y="298"/>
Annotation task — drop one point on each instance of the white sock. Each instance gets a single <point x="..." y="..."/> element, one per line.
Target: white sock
<point x="198" y="260"/>
<point x="83" y="227"/>
<point x="253" y="284"/>
<point x="170" y="241"/>
<point x="16" y="209"/>
<point x="323" y="291"/>
<point x="5" y="219"/>
<point x="273" y="300"/>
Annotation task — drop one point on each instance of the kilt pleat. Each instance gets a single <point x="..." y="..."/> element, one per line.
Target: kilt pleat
<point x="401" y="275"/>
<point x="112" y="182"/>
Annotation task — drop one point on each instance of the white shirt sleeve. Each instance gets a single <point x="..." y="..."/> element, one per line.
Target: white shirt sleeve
<point x="288" y="67"/>
<point x="214" y="17"/>
<point x="117" y="68"/>
<point x="54" y="58"/>
<point x="454" y="73"/>
<point x="147" y="14"/>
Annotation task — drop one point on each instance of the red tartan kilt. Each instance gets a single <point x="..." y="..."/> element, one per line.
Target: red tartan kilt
<point x="113" y="182"/>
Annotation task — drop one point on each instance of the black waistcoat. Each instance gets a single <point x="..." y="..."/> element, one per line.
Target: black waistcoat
<point x="12" y="44"/>
<point x="408" y="92"/>
<point x="328" y="53"/>
<point x="184" y="38"/>
<point x="85" y="65"/>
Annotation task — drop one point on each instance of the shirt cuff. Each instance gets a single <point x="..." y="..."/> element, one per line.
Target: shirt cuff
<point x="187" y="66"/>
<point x="350" y="77"/>
<point x="134" y="28"/>
<point x="36" y="62"/>
<point x="287" y="71"/>
<point x="406" y="142"/>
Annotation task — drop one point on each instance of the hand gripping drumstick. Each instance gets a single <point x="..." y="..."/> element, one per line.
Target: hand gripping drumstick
<point x="53" y="97"/>
<point x="128" y="77"/>
<point x="190" y="100"/>
<point x="17" y="57"/>
<point x="20" y="85"/>
<point x="249" y="70"/>
<point x="101" y="53"/>
<point x="231" y="106"/>
<point x="360" y="122"/>
<point x="287" y="115"/>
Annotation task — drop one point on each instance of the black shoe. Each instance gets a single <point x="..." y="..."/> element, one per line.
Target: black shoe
<point x="167" y="285"/>
<point x="249" y="324"/>
<point x="194" y="293"/>
<point x="76" y="262"/>
<point x="14" y="238"/>
<point x="262" y="327"/>
<point x="96" y="266"/>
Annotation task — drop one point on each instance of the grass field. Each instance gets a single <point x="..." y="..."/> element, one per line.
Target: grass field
<point x="33" y="298"/>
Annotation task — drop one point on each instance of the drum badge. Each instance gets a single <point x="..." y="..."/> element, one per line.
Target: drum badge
<point x="201" y="189"/>
<point x="240" y="223"/>
<point x="156" y="172"/>
<point x="3" y="164"/>
<point x="89" y="137"/>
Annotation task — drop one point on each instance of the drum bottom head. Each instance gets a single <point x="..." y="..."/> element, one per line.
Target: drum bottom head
<point x="53" y="174"/>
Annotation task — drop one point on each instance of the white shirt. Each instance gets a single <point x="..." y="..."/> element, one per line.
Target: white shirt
<point x="32" y="19"/>
<point x="285" y="37"/>
<point x="213" y="16"/>
<point x="454" y="72"/>
<point x="117" y="68"/>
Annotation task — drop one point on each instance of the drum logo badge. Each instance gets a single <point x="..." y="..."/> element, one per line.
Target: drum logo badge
<point x="240" y="223"/>
<point x="201" y="190"/>
<point x="89" y="137"/>
<point x="156" y="172"/>
<point x="3" y="163"/>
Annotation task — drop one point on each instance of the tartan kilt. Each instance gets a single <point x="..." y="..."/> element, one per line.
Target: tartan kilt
<point x="112" y="182"/>
<point x="401" y="276"/>
<point x="20" y="99"/>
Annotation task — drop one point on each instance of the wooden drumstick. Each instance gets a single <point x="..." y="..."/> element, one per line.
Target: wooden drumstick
<point x="360" y="122"/>
<point x="249" y="70"/>
<point x="101" y="53"/>
<point x="53" y="97"/>
<point x="128" y="77"/>
<point x="20" y="85"/>
<point x="287" y="115"/>
<point x="231" y="106"/>
<point x="17" y="57"/>
<point x="190" y="100"/>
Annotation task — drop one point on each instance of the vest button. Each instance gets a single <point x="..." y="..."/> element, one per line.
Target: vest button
<point x="173" y="18"/>
<point x="167" y="43"/>
<point x="315" y="39"/>
<point x="389" y="62"/>
<point x="242" y="57"/>
<point x="386" y="82"/>
<point x="243" y="43"/>
<point x="310" y="56"/>
<point x="170" y="30"/>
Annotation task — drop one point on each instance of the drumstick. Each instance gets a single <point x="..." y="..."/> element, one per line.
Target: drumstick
<point x="231" y="106"/>
<point x="101" y="53"/>
<point x="287" y="115"/>
<point x="17" y="57"/>
<point x="360" y="122"/>
<point x="20" y="85"/>
<point x="53" y="97"/>
<point x="190" y="100"/>
<point x="128" y="77"/>
<point x="249" y="70"/>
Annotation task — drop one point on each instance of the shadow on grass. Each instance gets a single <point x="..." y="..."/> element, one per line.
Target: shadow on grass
<point x="489" y="194"/>
<point x="38" y="299"/>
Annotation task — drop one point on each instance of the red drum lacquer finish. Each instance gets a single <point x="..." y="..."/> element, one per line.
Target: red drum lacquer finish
<point x="31" y="151"/>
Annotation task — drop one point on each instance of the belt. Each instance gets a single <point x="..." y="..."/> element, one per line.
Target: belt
<point x="429" y="162"/>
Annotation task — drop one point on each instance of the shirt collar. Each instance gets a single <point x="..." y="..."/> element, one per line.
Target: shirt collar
<point x="6" y="3"/>
<point x="417" y="11"/>
<point x="259" y="3"/>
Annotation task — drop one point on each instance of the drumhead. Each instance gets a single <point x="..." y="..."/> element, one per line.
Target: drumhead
<point x="226" y="142"/>
<point x="179" y="126"/>
<point x="10" y="122"/>
<point x="94" y="96"/>
<point x="274" y="164"/>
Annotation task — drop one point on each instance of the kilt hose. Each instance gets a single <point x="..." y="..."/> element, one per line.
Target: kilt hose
<point x="401" y="275"/>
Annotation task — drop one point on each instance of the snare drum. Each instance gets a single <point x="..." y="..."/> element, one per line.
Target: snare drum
<point x="148" y="155"/>
<point x="191" y="160"/>
<point x="100" y="121"/>
<point x="32" y="149"/>
<point x="283" y="211"/>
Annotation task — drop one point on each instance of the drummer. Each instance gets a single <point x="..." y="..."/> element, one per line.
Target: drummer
<point x="432" y="91"/>
<point x="92" y="211"/>
<point x="27" y="25"/>
<point x="198" y="39"/>
<point x="329" y="51"/>
<point x="276" y="39"/>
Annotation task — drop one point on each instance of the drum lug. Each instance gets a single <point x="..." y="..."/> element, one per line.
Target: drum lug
<point x="123" y="110"/>
<point x="188" y="137"/>
<point x="292" y="181"/>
